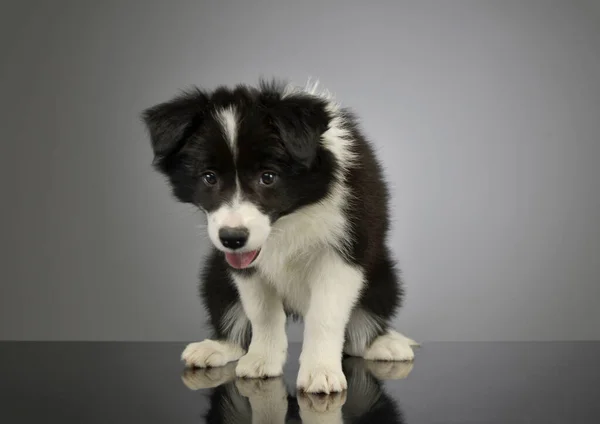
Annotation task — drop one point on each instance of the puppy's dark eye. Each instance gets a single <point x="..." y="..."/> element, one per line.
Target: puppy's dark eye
<point x="209" y="178"/>
<point x="268" y="178"/>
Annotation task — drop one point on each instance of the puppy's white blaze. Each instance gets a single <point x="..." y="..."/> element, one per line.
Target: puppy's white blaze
<point x="236" y="199"/>
<point x="228" y="120"/>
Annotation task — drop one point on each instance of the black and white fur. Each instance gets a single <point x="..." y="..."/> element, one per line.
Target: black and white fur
<point x="291" y="169"/>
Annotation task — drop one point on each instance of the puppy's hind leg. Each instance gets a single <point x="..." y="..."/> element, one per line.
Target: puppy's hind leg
<point x="391" y="346"/>
<point x="370" y="337"/>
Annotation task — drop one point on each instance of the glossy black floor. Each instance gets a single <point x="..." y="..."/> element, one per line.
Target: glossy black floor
<point x="448" y="383"/>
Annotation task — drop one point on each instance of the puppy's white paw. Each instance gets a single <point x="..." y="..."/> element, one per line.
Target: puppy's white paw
<point x="210" y="353"/>
<point x="321" y="378"/>
<point x="260" y="365"/>
<point x="391" y="346"/>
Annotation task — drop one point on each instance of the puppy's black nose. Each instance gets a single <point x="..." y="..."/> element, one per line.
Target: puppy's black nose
<point x="233" y="237"/>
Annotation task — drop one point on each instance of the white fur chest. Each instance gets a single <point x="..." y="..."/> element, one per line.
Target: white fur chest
<point x="297" y="247"/>
<point x="291" y="276"/>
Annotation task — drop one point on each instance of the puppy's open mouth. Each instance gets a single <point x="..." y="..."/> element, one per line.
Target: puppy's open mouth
<point x="241" y="260"/>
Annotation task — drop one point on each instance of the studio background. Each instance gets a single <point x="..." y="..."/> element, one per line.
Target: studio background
<point x="486" y="115"/>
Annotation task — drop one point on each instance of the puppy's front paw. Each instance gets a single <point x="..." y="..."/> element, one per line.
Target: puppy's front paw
<point x="260" y="365"/>
<point x="210" y="353"/>
<point x="321" y="378"/>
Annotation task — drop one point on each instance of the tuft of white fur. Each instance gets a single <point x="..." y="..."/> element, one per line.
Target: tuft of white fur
<point x="312" y="87"/>
<point x="229" y="122"/>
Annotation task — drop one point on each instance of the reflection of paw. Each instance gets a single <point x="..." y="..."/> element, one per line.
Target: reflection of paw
<point x="390" y="370"/>
<point x="267" y="398"/>
<point x="391" y="346"/>
<point x="311" y="403"/>
<point x="270" y="388"/>
<point x="260" y="365"/>
<point x="210" y="353"/>
<point x="320" y="378"/>
<point x="205" y="378"/>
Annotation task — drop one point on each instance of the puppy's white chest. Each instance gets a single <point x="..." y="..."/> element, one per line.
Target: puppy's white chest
<point x="292" y="279"/>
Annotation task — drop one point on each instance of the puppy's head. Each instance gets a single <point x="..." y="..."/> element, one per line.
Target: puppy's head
<point x="245" y="156"/>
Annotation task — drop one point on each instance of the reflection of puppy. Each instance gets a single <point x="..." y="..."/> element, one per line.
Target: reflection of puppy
<point x="367" y="400"/>
<point x="240" y="401"/>
<point x="297" y="211"/>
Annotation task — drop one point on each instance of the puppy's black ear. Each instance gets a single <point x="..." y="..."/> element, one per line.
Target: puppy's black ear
<point x="170" y="123"/>
<point x="300" y="122"/>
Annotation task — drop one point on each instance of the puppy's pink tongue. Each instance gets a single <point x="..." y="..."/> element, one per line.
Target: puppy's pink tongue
<point x="241" y="260"/>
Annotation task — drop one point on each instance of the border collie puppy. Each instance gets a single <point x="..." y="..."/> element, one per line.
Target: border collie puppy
<point x="297" y="211"/>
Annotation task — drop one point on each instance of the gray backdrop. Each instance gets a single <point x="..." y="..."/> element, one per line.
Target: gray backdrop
<point x="486" y="115"/>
